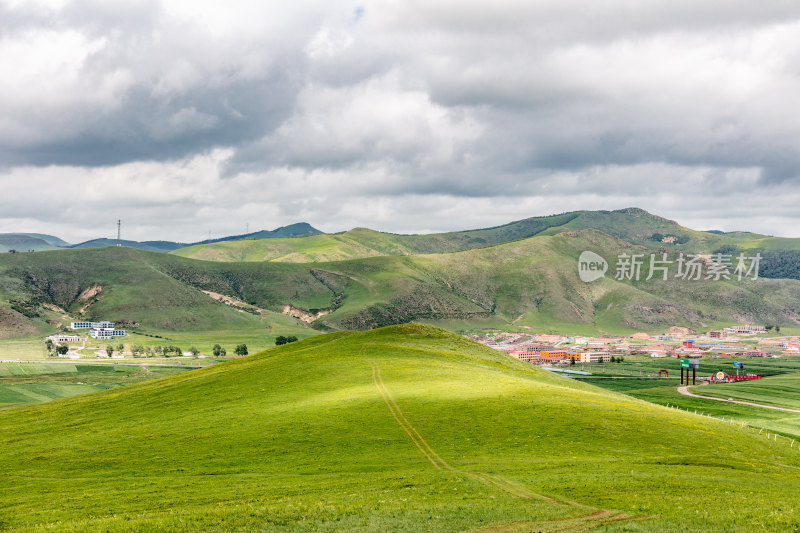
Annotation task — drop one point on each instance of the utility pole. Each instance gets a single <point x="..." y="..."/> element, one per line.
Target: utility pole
<point x="119" y="233"/>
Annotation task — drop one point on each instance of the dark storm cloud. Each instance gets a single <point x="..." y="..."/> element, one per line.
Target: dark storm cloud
<point x="145" y="127"/>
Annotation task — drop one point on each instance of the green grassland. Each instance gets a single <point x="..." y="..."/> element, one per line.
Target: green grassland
<point x="256" y="339"/>
<point x="23" y="383"/>
<point x="637" y="377"/>
<point x="405" y="428"/>
<point x="640" y="365"/>
<point x="664" y="392"/>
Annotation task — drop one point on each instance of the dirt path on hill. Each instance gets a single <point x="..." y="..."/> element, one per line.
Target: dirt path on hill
<point x="685" y="392"/>
<point x="595" y="517"/>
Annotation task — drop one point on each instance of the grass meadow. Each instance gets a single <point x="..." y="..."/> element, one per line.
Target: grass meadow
<point x="403" y="428"/>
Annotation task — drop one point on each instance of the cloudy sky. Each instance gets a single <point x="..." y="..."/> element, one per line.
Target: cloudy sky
<point x="191" y="117"/>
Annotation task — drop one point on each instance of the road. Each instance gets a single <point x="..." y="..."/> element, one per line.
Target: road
<point x="685" y="392"/>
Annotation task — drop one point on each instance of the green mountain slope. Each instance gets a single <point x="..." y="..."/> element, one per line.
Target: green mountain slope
<point x="535" y="282"/>
<point x="362" y="242"/>
<point x="118" y="283"/>
<point x="50" y="239"/>
<point x="532" y="282"/>
<point x="632" y="225"/>
<point x="292" y="230"/>
<point x="640" y="227"/>
<point x="402" y="429"/>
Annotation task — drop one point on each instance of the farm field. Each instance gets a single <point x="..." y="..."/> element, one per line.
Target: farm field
<point x="402" y="428"/>
<point x="644" y="366"/>
<point x="24" y="383"/>
<point x="780" y="389"/>
<point x="256" y="339"/>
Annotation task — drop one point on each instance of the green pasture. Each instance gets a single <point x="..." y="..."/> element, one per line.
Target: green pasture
<point x="24" y="383"/>
<point x="780" y="391"/>
<point x="406" y="428"/>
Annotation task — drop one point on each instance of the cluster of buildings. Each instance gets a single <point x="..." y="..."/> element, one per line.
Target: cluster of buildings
<point x="736" y="341"/>
<point x="99" y="330"/>
<point x="552" y="349"/>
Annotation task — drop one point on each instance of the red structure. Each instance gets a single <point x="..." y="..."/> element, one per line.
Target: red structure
<point x="665" y="371"/>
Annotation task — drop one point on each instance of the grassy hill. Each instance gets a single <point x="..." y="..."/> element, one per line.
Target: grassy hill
<point x="150" y="246"/>
<point x="535" y="282"/>
<point x="640" y="227"/>
<point x="119" y="283"/>
<point x="532" y="282"/>
<point x="406" y="428"/>
<point x="50" y="239"/>
<point x="22" y="242"/>
<point x="292" y="230"/>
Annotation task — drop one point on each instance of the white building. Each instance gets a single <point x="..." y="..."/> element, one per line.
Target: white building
<point x="100" y="330"/>
<point x="104" y="334"/>
<point x="595" y="357"/>
<point x="747" y="329"/>
<point x="64" y="338"/>
<point x="92" y="325"/>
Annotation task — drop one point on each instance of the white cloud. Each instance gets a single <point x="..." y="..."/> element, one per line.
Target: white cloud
<point x="404" y="116"/>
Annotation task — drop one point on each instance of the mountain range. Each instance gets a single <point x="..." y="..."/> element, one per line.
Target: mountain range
<point x="522" y="274"/>
<point x="36" y="242"/>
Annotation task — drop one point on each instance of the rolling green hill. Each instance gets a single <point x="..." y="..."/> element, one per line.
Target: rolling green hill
<point x="531" y="282"/>
<point x="50" y="239"/>
<point x="116" y="282"/>
<point x="292" y="230"/>
<point x="640" y="227"/>
<point x="151" y="246"/>
<point x="632" y="225"/>
<point x="362" y="242"/>
<point x="23" y="242"/>
<point x="407" y="428"/>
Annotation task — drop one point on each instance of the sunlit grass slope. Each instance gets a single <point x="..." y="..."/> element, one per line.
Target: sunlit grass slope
<point x="404" y="428"/>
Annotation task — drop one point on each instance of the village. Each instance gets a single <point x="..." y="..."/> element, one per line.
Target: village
<point x="553" y="349"/>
